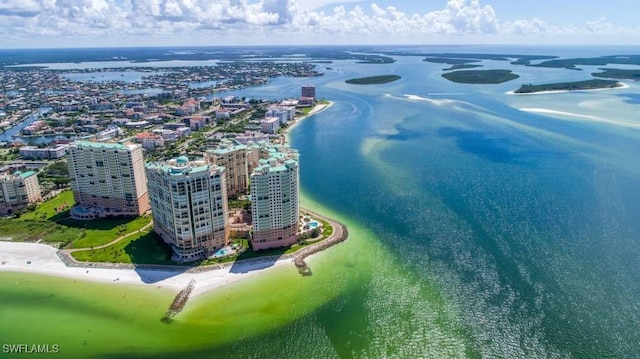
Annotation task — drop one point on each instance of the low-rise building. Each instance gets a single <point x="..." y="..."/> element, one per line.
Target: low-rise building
<point x="270" y="125"/>
<point x="284" y="113"/>
<point x="252" y="136"/>
<point x="223" y="114"/>
<point x="150" y="141"/>
<point x="47" y="153"/>
<point x="306" y="102"/>
<point x="110" y="133"/>
<point x="167" y="135"/>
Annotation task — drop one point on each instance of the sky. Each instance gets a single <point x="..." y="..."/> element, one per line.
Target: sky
<point x="96" y="23"/>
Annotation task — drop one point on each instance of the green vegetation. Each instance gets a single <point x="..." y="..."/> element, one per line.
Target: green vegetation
<point x="51" y="222"/>
<point x="593" y="61"/>
<point x="453" y="58"/>
<point x="239" y="204"/>
<point x="57" y="173"/>
<point x="53" y="209"/>
<point x="9" y="154"/>
<point x="102" y="231"/>
<point x="618" y="74"/>
<point x="450" y="61"/>
<point x="374" y="80"/>
<point x="569" y="86"/>
<point x="462" y="66"/>
<point x="481" y="76"/>
<point x="143" y="248"/>
<point x="33" y="230"/>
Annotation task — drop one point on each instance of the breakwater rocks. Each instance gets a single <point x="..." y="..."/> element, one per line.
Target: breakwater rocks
<point x="179" y="302"/>
<point x="340" y="234"/>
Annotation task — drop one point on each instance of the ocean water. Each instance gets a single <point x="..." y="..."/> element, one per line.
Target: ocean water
<point x="481" y="224"/>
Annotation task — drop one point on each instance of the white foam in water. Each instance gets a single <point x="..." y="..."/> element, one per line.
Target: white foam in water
<point x="581" y="116"/>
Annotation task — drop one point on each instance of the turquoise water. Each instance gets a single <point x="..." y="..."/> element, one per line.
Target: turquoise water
<point x="477" y="229"/>
<point x="221" y="252"/>
<point x="526" y="223"/>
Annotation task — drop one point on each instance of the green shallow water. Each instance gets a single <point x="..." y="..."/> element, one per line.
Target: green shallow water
<point x="328" y="313"/>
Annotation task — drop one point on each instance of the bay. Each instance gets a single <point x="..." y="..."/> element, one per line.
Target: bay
<point x="481" y="224"/>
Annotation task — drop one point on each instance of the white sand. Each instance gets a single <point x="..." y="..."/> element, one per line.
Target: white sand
<point x="14" y="257"/>
<point x="316" y="109"/>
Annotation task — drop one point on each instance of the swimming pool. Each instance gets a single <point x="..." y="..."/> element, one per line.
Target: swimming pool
<point x="221" y="252"/>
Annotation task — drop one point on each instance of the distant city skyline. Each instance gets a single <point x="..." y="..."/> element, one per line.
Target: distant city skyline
<point x="97" y="23"/>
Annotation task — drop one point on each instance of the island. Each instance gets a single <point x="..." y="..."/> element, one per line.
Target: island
<point x="569" y="86"/>
<point x="480" y="76"/>
<point x="461" y="66"/>
<point x="373" y="80"/>
<point x="572" y="64"/>
<point x="449" y="61"/>
<point x="456" y="63"/>
<point x="618" y="74"/>
<point x="462" y="58"/>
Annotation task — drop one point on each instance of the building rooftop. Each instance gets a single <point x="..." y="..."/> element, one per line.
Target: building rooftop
<point x="26" y="174"/>
<point x="104" y="145"/>
<point x="227" y="146"/>
<point x="182" y="166"/>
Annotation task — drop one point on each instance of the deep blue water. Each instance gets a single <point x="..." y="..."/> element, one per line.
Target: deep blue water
<point x="528" y="223"/>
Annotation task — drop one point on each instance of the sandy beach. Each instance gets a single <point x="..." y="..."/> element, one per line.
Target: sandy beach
<point x="316" y="109"/>
<point x="42" y="259"/>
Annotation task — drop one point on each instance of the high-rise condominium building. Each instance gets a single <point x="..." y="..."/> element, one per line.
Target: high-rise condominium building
<point x="107" y="179"/>
<point x="18" y="190"/>
<point x="308" y="91"/>
<point x="275" y="206"/>
<point x="233" y="157"/>
<point x="189" y="204"/>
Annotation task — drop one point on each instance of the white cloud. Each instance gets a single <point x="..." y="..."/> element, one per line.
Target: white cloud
<point x="526" y="27"/>
<point x="268" y="20"/>
<point x="601" y="26"/>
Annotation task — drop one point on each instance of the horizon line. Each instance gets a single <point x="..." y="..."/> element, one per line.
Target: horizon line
<point x="313" y="46"/>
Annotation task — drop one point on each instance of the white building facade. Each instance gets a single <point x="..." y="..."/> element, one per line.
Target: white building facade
<point x="18" y="190"/>
<point x="189" y="204"/>
<point x="107" y="179"/>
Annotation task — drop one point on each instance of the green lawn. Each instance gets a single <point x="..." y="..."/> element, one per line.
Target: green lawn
<point x="32" y="230"/>
<point x="143" y="248"/>
<point x="50" y="222"/>
<point x="102" y="231"/>
<point x="47" y="210"/>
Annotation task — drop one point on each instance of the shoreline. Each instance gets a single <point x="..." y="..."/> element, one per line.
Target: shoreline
<point x="316" y="109"/>
<point x="43" y="259"/>
<point x="512" y="92"/>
